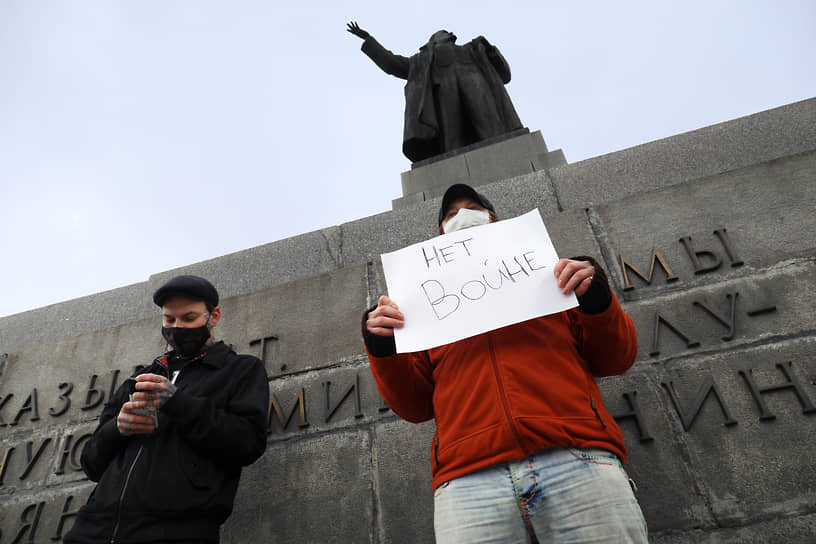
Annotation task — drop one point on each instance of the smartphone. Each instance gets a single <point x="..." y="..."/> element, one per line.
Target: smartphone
<point x="149" y="411"/>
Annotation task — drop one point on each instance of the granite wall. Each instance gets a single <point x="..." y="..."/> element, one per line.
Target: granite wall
<point x="708" y="240"/>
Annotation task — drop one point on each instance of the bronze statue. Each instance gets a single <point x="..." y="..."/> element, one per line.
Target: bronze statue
<point x="454" y="95"/>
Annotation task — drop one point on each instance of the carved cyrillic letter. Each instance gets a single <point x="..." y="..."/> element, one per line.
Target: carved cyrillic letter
<point x="114" y="380"/>
<point x="656" y="256"/>
<point x="69" y="452"/>
<point x="634" y="412"/>
<point x="65" y="398"/>
<point x="792" y="383"/>
<point x="381" y="405"/>
<point x="730" y="324"/>
<point x="95" y="395"/>
<point x="708" y="386"/>
<point x="3" y="402"/>
<point x="64" y="516"/>
<point x="29" y="527"/>
<point x="4" y="464"/>
<point x="30" y="405"/>
<point x="262" y="350"/>
<point x="722" y="234"/>
<point x="656" y="335"/>
<point x="31" y="457"/>
<point x="355" y="387"/>
<point x="696" y="260"/>
<point x="301" y="402"/>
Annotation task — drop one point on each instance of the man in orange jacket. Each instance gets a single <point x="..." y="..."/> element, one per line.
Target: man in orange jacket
<point x="524" y="449"/>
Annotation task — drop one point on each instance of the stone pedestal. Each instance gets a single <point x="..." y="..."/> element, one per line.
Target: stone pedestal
<point x="506" y="156"/>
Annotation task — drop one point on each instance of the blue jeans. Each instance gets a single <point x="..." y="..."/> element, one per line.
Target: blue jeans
<point x="560" y="495"/>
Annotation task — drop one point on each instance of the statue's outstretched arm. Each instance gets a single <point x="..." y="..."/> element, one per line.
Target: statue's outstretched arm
<point x="355" y="29"/>
<point x="395" y="65"/>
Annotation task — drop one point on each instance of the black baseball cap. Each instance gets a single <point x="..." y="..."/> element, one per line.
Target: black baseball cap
<point x="460" y="190"/>
<point x="192" y="287"/>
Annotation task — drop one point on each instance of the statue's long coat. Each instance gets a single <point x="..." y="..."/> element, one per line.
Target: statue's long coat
<point x="422" y="130"/>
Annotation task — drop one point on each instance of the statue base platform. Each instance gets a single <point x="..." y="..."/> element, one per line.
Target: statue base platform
<point x="506" y="156"/>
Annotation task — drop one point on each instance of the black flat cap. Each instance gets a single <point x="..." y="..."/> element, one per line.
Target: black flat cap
<point x="192" y="287"/>
<point x="460" y="190"/>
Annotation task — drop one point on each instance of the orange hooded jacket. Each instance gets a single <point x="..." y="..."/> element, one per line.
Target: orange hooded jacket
<point x="505" y="394"/>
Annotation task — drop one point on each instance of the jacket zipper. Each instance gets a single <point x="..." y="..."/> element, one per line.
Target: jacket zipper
<point x="122" y="495"/>
<point x="503" y="397"/>
<point x="436" y="450"/>
<point x="130" y="470"/>
<point x="594" y="409"/>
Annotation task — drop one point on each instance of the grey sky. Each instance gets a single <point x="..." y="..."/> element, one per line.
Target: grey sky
<point x="139" y="136"/>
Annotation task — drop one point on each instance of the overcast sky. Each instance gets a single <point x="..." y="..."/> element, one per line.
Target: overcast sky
<point x="138" y="136"/>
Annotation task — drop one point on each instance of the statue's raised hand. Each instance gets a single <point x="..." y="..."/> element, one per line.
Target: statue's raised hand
<point x="355" y="29"/>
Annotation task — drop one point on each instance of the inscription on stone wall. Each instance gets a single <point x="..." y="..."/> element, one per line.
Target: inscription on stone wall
<point x="685" y="409"/>
<point x="727" y="320"/>
<point x="60" y="453"/>
<point x="703" y="261"/>
<point x="709" y="391"/>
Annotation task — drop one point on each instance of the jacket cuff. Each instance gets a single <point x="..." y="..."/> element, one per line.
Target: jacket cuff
<point x="110" y="431"/>
<point x="378" y="346"/>
<point x="598" y="297"/>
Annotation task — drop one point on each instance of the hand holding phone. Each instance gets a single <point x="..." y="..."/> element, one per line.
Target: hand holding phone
<point x="146" y="411"/>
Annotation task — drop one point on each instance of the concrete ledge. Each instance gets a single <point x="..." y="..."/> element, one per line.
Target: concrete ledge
<point x="764" y="136"/>
<point x="73" y="317"/>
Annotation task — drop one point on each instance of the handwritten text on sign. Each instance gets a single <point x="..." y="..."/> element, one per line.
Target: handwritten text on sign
<point x="472" y="281"/>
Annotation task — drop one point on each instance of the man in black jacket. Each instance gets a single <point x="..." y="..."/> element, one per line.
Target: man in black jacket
<point x="170" y="445"/>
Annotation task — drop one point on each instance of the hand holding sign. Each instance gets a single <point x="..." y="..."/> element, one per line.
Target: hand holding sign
<point x="385" y="318"/>
<point x="475" y="280"/>
<point x="574" y="275"/>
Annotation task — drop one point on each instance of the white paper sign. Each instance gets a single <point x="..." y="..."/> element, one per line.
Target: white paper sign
<point x="473" y="281"/>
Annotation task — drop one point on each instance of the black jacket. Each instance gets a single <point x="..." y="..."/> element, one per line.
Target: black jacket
<point x="180" y="481"/>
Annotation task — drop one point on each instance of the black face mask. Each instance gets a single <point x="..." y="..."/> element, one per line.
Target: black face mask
<point x="187" y="341"/>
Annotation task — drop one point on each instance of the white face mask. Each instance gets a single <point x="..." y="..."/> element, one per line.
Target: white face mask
<point x="466" y="218"/>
